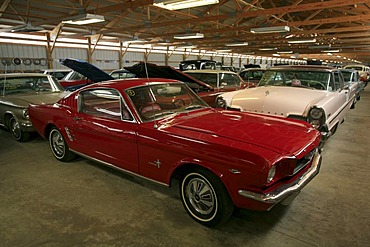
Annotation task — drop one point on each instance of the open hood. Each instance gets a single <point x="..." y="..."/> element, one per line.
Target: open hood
<point x="84" y="68"/>
<point x="144" y="70"/>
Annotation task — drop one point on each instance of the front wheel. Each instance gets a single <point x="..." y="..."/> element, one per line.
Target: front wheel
<point x="59" y="146"/>
<point x="205" y="198"/>
<point x="16" y="131"/>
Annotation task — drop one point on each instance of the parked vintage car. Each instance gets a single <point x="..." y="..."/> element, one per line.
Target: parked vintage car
<point x="144" y="70"/>
<point x="221" y="81"/>
<point x="364" y="71"/>
<point x="352" y="78"/>
<point x="17" y="91"/>
<point x="59" y="74"/>
<point x="315" y="94"/>
<point x="160" y="129"/>
<point x="252" y="76"/>
<point x="122" y="74"/>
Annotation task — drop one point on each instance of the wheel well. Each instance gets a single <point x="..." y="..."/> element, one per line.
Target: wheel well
<point x="180" y="171"/>
<point x="7" y="118"/>
<point x="47" y="130"/>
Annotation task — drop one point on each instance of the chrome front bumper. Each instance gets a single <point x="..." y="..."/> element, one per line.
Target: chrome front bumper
<point x="286" y="190"/>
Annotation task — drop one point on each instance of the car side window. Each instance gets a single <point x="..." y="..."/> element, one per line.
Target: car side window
<point x="104" y="103"/>
<point x="338" y="80"/>
<point x="228" y="80"/>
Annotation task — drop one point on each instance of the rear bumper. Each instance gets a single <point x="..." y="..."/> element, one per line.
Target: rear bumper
<point x="286" y="190"/>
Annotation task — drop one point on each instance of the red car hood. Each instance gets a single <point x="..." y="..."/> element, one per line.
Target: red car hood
<point x="283" y="136"/>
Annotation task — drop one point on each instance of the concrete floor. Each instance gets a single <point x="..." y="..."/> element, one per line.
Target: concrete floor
<point x="47" y="203"/>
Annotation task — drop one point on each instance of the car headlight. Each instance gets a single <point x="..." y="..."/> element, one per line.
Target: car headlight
<point x="25" y="114"/>
<point x="316" y="117"/>
<point x="316" y="113"/>
<point x="220" y="102"/>
<point x="271" y="174"/>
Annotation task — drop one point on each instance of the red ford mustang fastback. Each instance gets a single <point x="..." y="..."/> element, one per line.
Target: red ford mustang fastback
<point x="160" y="129"/>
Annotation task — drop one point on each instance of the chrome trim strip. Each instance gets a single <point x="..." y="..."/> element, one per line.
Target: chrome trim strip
<point x="282" y="192"/>
<point x="118" y="168"/>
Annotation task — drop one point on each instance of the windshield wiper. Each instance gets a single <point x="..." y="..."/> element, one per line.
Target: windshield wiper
<point x="162" y="114"/>
<point x="190" y="107"/>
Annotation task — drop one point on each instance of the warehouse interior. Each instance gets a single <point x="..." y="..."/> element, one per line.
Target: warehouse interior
<point x="45" y="202"/>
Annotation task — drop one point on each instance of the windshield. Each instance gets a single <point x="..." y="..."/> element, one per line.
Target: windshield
<point x="309" y="79"/>
<point x="160" y="100"/>
<point x="27" y="85"/>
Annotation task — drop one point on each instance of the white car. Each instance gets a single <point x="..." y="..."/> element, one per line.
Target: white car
<point x="315" y="94"/>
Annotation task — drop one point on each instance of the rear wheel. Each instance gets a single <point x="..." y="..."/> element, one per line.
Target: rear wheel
<point x="17" y="133"/>
<point x="205" y="198"/>
<point x="59" y="146"/>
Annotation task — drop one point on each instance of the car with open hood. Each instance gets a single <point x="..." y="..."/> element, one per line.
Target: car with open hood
<point x="17" y="91"/>
<point x="82" y="74"/>
<point x="159" y="129"/>
<point x="315" y="94"/>
<point x="142" y="70"/>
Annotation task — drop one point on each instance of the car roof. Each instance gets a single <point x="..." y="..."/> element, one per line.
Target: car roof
<point x="304" y="67"/>
<point x="209" y="71"/>
<point x="12" y="75"/>
<point x="123" y="84"/>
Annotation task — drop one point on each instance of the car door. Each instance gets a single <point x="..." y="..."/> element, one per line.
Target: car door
<point x="105" y="129"/>
<point x="342" y="99"/>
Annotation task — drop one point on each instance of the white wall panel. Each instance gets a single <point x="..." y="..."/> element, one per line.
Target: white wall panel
<point x="131" y="58"/>
<point x="60" y="53"/>
<point x="106" y="60"/>
<point x="174" y="60"/>
<point x="157" y="58"/>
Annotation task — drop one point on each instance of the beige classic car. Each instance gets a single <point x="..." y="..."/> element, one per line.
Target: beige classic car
<point x="315" y="94"/>
<point x="19" y="90"/>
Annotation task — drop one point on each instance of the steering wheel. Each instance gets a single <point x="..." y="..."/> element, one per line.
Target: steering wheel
<point x="179" y="103"/>
<point x="317" y="85"/>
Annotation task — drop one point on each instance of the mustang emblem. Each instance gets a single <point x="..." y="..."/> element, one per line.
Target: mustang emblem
<point x="156" y="163"/>
<point x="267" y="92"/>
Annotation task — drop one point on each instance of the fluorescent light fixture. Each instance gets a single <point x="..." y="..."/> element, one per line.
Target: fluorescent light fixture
<point x="276" y="55"/>
<point x="26" y="28"/>
<point x="189" y="36"/>
<point x="238" y="44"/>
<point x="300" y="41"/>
<point x="183" y="4"/>
<point x="268" y="49"/>
<point x="277" y="29"/>
<point x="84" y="19"/>
<point x="337" y="50"/>
<point x="285" y="52"/>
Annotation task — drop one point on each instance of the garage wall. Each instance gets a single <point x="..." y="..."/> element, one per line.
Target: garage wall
<point x="34" y="56"/>
<point x="104" y="59"/>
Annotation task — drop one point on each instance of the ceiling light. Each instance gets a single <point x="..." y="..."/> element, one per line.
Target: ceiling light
<point x="285" y="52"/>
<point x="337" y="50"/>
<point x="183" y="4"/>
<point x="276" y="55"/>
<point x="84" y="19"/>
<point x="26" y="28"/>
<point x="267" y="49"/>
<point x="238" y="44"/>
<point x="299" y="41"/>
<point x="277" y="29"/>
<point x="189" y="36"/>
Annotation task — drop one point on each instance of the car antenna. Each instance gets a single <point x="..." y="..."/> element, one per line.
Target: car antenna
<point x="6" y="68"/>
<point x="147" y="77"/>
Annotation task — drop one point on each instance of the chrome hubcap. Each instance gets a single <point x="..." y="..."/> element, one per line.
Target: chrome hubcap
<point x="58" y="144"/>
<point x="15" y="129"/>
<point x="201" y="196"/>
